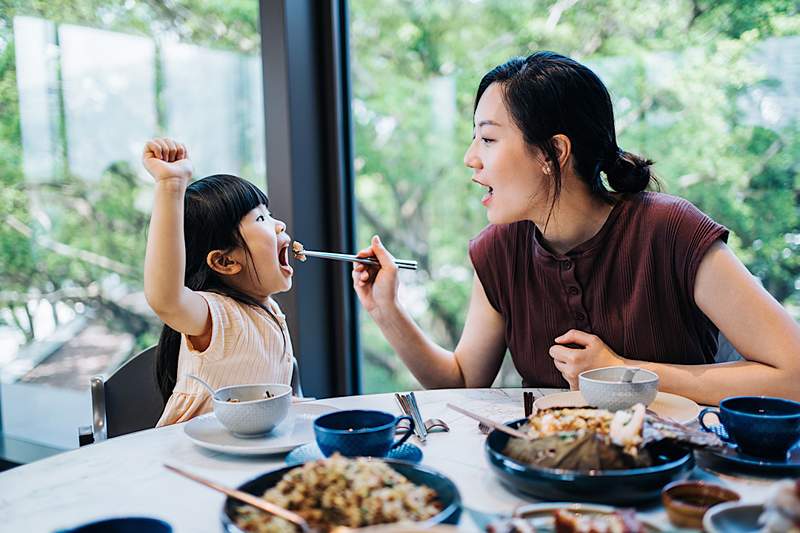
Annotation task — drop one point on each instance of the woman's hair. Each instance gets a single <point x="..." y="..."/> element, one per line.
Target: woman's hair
<point x="213" y="209"/>
<point x="549" y="94"/>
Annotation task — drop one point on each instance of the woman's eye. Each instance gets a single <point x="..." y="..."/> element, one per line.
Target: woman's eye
<point x="260" y="218"/>
<point x="487" y="141"/>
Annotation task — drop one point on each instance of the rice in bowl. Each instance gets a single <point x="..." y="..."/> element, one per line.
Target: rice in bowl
<point x="339" y="491"/>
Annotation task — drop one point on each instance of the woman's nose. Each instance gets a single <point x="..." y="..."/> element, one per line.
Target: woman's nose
<point x="280" y="227"/>
<point x="470" y="157"/>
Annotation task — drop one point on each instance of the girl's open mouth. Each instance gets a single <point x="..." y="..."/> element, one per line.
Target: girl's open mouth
<point x="283" y="259"/>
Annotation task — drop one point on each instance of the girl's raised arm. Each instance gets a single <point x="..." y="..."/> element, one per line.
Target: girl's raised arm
<point x="165" y="259"/>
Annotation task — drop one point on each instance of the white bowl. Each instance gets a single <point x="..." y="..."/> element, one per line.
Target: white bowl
<point x="253" y="414"/>
<point x="604" y="388"/>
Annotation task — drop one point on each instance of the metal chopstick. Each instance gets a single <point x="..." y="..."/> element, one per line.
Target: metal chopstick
<point x="415" y="407"/>
<point x="401" y="263"/>
<point x="406" y="408"/>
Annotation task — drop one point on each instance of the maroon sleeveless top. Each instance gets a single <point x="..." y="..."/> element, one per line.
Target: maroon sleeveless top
<point x="632" y="285"/>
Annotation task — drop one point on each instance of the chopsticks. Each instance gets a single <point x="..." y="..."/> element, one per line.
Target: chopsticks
<point x="255" y="501"/>
<point x="491" y="423"/>
<point x="408" y="405"/>
<point x="401" y="263"/>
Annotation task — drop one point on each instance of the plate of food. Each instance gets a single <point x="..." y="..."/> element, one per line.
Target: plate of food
<point x="666" y="405"/>
<point x="350" y="492"/>
<point x="295" y="430"/>
<point x="593" y="455"/>
<point x="563" y="517"/>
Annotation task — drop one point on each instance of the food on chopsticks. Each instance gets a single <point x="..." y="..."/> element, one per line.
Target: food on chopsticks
<point x="298" y="251"/>
<point x="339" y="491"/>
<point x="782" y="508"/>
<point x="567" y="521"/>
<point x="588" y="439"/>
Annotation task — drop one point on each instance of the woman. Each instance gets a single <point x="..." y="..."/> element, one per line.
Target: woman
<point x="572" y="276"/>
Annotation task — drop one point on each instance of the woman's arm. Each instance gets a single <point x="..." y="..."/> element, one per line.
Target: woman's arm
<point x="479" y="353"/>
<point x="753" y="321"/>
<point x="758" y="327"/>
<point x="165" y="258"/>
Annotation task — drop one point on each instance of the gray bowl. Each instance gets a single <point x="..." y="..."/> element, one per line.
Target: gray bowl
<point x="604" y="388"/>
<point x="253" y="414"/>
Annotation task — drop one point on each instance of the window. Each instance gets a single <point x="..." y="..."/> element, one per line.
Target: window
<point x="711" y="94"/>
<point x="82" y="87"/>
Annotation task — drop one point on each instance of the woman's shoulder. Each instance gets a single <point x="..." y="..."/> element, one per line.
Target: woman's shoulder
<point x="661" y="204"/>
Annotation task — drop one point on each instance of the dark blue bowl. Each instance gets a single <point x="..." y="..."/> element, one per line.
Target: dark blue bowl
<point x="128" y="524"/>
<point x="420" y="475"/>
<point x="614" y="487"/>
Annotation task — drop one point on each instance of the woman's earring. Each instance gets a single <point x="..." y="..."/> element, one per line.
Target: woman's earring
<point x="546" y="169"/>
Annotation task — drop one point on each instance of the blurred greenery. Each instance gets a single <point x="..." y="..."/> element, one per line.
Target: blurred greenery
<point x="678" y="72"/>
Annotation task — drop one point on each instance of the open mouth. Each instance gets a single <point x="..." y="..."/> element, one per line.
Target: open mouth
<point x="489" y="192"/>
<point x="283" y="259"/>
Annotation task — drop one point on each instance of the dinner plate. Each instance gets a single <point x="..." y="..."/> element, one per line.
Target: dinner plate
<point x="666" y="405"/>
<point x="631" y="486"/>
<point x="541" y="514"/>
<point x="297" y="429"/>
<point x="733" y="517"/>
<point x="445" y="489"/>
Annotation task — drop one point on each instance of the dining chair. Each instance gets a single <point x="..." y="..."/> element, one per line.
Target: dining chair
<point x="129" y="400"/>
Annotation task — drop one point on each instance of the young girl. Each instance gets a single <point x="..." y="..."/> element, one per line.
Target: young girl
<point x="214" y="257"/>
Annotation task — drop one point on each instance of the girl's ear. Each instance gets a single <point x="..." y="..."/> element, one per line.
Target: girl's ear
<point x="223" y="264"/>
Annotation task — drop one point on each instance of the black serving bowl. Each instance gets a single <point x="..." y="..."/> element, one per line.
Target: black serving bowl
<point x="613" y="487"/>
<point x="417" y="474"/>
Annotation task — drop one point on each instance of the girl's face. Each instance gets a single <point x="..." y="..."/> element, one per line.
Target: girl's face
<point x="501" y="160"/>
<point x="267" y="270"/>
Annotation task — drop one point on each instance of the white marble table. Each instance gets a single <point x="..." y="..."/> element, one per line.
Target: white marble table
<point x="124" y="476"/>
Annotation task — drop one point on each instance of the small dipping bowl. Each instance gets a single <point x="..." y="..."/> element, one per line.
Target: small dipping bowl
<point x="253" y="414"/>
<point x="604" y="388"/>
<point x="686" y="502"/>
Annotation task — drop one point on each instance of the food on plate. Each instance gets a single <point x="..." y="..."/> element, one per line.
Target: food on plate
<point x="588" y="439"/>
<point x="568" y="521"/>
<point x="339" y="491"/>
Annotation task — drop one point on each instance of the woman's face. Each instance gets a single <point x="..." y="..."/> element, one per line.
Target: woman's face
<point x="502" y="162"/>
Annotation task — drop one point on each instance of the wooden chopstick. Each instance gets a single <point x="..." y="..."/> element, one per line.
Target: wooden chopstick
<point x="255" y="501"/>
<point x="401" y="263"/>
<point x="491" y="423"/>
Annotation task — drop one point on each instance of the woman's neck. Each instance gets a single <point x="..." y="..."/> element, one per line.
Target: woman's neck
<point x="577" y="217"/>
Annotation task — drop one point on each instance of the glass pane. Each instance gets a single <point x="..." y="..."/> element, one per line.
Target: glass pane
<point x="713" y="96"/>
<point x="82" y="86"/>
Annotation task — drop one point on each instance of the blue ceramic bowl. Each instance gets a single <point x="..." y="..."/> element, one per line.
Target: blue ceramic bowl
<point x="130" y="524"/>
<point x="612" y="487"/>
<point x="355" y="433"/>
<point x="759" y="425"/>
<point x="420" y="475"/>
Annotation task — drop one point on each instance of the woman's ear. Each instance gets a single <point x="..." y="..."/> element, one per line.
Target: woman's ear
<point x="563" y="147"/>
<point x="222" y="263"/>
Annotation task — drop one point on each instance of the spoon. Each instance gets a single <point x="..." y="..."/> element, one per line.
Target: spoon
<point x="627" y="377"/>
<point x="211" y="390"/>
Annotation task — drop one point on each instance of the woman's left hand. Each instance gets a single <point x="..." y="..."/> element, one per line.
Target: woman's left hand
<point x="587" y="352"/>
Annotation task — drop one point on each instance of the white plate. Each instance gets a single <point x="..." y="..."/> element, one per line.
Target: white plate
<point x="207" y="432"/>
<point x="733" y="517"/>
<point x="541" y="515"/>
<point x="667" y="405"/>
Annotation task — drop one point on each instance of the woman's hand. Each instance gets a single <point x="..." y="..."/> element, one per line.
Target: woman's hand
<point x="587" y="352"/>
<point x="166" y="159"/>
<point x="376" y="287"/>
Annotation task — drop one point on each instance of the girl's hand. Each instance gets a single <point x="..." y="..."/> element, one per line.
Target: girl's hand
<point x="376" y="287"/>
<point x="165" y="159"/>
<point x="587" y="352"/>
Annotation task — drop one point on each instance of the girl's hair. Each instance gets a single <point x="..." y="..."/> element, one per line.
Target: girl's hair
<point x="213" y="209"/>
<point x="547" y="94"/>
